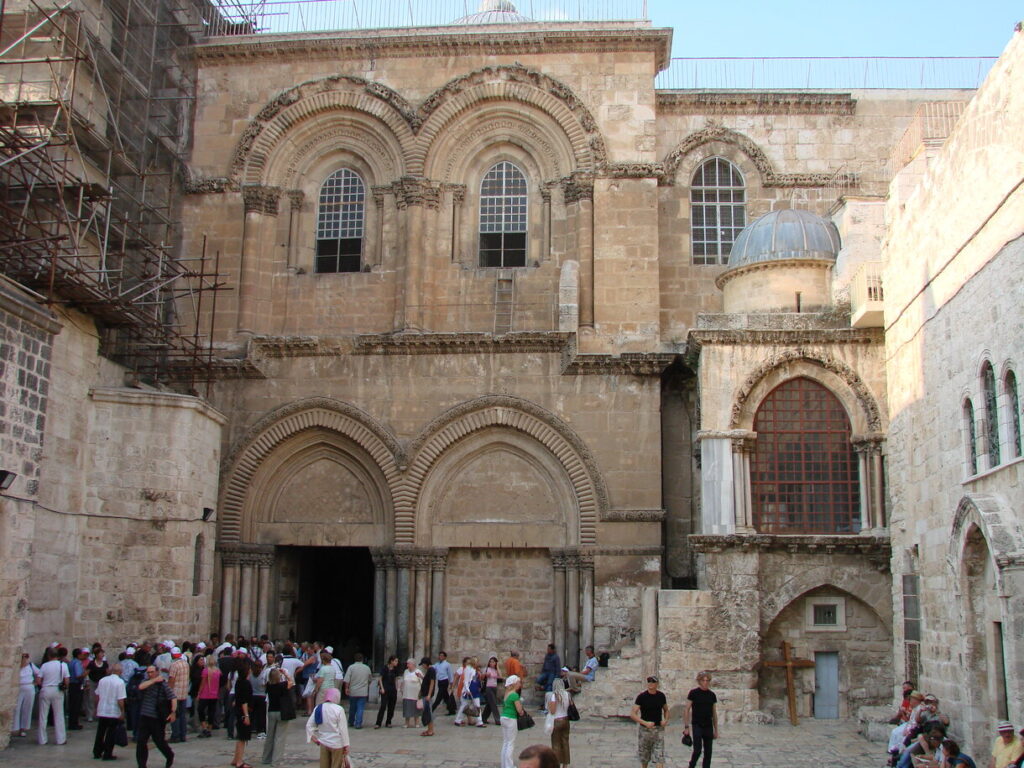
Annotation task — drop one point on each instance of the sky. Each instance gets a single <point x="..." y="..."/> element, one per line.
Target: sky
<point x="832" y="28"/>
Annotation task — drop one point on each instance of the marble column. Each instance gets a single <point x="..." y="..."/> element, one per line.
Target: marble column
<point x="263" y="589"/>
<point x="421" y="627"/>
<point x="572" y="606"/>
<point x="403" y="564"/>
<point x="586" y="598"/>
<point x="228" y="591"/>
<point x="261" y="204"/>
<point x="390" y="606"/>
<point x="246" y="613"/>
<point x="742" y="449"/>
<point x="545" y="242"/>
<point x="438" y="563"/>
<point x="558" y="618"/>
<point x="379" y="556"/>
<point x="869" y="471"/>
<point x="296" y="198"/>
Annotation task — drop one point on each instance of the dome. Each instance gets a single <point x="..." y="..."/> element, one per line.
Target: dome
<point x="494" y="12"/>
<point x="784" y="235"/>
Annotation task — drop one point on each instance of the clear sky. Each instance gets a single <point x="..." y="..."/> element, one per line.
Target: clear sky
<point x="838" y="28"/>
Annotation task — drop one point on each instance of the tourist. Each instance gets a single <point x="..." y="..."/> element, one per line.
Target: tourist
<point x="538" y="756"/>
<point x="427" y="688"/>
<point x="587" y="675"/>
<point x="514" y="666"/>
<point x="955" y="758"/>
<point x="924" y="749"/>
<point x="53" y="680"/>
<point x="1007" y="748"/>
<point x="27" y="675"/>
<point x="411" y="680"/>
<point x="95" y="670"/>
<point x="903" y="712"/>
<point x="650" y="713"/>
<point x="898" y="735"/>
<point x="327" y="728"/>
<point x="357" y="688"/>
<point x="326" y="676"/>
<point x="258" y="703"/>
<point x="490" y="691"/>
<point x="178" y="678"/>
<point x="468" y="693"/>
<point x="76" y="687"/>
<point x="551" y="668"/>
<point x="209" y="692"/>
<point x="387" y="687"/>
<point x="157" y="707"/>
<point x="280" y="712"/>
<point x="243" y="712"/>
<point x="700" y="719"/>
<point x="510" y="712"/>
<point x="111" y="696"/>
<point x="558" y="702"/>
<point x="444" y="683"/>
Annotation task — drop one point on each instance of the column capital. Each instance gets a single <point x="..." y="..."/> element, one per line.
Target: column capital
<point x="416" y="190"/>
<point x="559" y="558"/>
<point x="439" y="559"/>
<point x="296" y="197"/>
<point x="383" y="557"/>
<point x="578" y="186"/>
<point x="261" y="199"/>
<point x="870" y="443"/>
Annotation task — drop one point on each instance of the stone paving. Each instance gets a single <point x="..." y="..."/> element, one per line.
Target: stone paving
<point x="595" y="744"/>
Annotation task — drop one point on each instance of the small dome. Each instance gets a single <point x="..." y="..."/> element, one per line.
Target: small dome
<point x="494" y="12"/>
<point x="784" y="235"/>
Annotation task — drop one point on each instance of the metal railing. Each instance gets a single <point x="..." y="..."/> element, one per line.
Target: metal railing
<point x="830" y="73"/>
<point x="245" y="17"/>
<point x="867" y="295"/>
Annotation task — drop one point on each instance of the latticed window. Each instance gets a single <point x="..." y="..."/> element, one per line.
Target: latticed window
<point x="339" y="223"/>
<point x="717" y="210"/>
<point x="972" y="437"/>
<point x="503" y="217"/>
<point x="804" y="476"/>
<point x="1013" y="411"/>
<point x="988" y="386"/>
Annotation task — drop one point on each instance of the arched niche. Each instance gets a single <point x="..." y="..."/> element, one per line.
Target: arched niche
<point x="498" y="488"/>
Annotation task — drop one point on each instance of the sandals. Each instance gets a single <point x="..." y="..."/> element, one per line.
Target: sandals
<point x="426" y="733"/>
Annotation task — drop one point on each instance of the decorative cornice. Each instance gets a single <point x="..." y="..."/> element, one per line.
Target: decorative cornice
<point x="628" y="551"/>
<point x="769" y="177"/>
<point x="459" y="343"/>
<point x="542" y="37"/>
<point x="261" y="199"/>
<point x="627" y="363"/>
<point x="234" y="368"/>
<point x="200" y="185"/>
<point x="754" y="103"/>
<point x="762" y="336"/>
<point x="633" y="516"/>
<point x="631" y="170"/>
<point x="296" y="346"/>
<point x="872" y="547"/>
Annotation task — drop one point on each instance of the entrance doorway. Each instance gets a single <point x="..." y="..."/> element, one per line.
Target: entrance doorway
<point x="334" y="599"/>
<point x="826" y="685"/>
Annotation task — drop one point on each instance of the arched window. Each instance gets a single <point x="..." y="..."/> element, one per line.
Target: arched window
<point x="717" y="210"/>
<point x="339" y="223"/>
<point x="503" y="217"/>
<point x="804" y="476"/>
<point x="972" y="437"/>
<point x="1013" y="411"/>
<point x="988" y="389"/>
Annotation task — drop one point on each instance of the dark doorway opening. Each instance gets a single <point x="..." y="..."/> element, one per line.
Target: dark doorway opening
<point x="335" y="599"/>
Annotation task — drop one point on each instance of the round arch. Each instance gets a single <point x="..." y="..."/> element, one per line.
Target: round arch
<point x="833" y="374"/>
<point x="313" y="414"/>
<point x="510" y="413"/>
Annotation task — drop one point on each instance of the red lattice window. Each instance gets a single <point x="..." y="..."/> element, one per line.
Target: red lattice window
<point x="804" y="475"/>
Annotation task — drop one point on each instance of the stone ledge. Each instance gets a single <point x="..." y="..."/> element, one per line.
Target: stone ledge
<point x="628" y="363"/>
<point x="825" y="544"/>
<point x="784" y="337"/>
<point x="15" y="301"/>
<point x="632" y="516"/>
<point x="754" y="103"/>
<point x="460" y="343"/>
<point x="154" y="399"/>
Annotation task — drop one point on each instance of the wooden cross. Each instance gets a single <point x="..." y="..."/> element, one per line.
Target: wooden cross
<point x="790" y="663"/>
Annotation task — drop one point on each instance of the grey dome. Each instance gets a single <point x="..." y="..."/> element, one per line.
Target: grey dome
<point x="783" y="235"/>
<point x="494" y="12"/>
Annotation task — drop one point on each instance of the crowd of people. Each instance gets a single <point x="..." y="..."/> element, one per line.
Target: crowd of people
<point x="166" y="692"/>
<point x="923" y="737"/>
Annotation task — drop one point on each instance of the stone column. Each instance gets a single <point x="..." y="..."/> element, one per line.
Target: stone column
<point x="377" y="258"/>
<point x="421" y="627"/>
<point x="572" y="606"/>
<point x="260" y="216"/>
<point x="246" y="612"/>
<point x="296" y="197"/>
<point x="228" y="591"/>
<point x="742" y="448"/>
<point x="438" y="563"/>
<point x="390" y="605"/>
<point x="380" y="602"/>
<point x="586" y="598"/>
<point x="649" y="630"/>
<point x="578" y="189"/>
<point x="403" y="564"/>
<point x="869" y="471"/>
<point x="545" y="241"/>
<point x="263" y="589"/>
<point x="458" y="208"/>
<point x="413" y="195"/>
<point x="558" y="561"/>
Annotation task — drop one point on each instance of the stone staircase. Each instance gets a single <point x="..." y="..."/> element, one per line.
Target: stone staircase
<point x="615" y="687"/>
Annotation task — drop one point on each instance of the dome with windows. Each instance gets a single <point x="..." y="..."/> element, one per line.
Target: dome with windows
<point x="781" y="263"/>
<point x="494" y="12"/>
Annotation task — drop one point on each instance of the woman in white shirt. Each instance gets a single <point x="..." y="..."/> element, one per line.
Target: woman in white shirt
<point x="411" y="679"/>
<point x="557" y="701"/>
<point x="26" y="696"/>
<point x="53" y="680"/>
<point x="469" y="692"/>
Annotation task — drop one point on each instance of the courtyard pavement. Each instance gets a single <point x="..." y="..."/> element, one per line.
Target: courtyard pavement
<point x="595" y="744"/>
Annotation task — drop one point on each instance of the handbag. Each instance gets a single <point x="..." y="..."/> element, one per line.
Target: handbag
<point x="524" y="721"/>
<point x="472" y="710"/>
<point x="571" y="711"/>
<point x="549" y="723"/>
<point x="121" y="735"/>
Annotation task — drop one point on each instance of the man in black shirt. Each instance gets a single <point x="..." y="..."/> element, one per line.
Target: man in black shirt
<point x="650" y="713"/>
<point x="702" y="711"/>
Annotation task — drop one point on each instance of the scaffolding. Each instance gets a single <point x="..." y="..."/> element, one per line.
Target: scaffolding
<point x="95" y="103"/>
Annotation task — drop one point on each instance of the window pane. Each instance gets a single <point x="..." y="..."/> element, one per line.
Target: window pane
<point x="503" y="212"/>
<point x="717" y="210"/>
<point x="340" y="220"/>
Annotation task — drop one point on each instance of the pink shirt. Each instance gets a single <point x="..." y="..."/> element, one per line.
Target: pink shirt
<point x="210" y="684"/>
<point x="491" y="675"/>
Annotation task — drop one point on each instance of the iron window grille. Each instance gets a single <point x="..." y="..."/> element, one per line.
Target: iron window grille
<point x="503" y="217"/>
<point x="717" y="210"/>
<point x="804" y="474"/>
<point x="339" y="223"/>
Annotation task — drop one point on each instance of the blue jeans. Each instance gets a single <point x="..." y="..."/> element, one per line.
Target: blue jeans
<point x="355" y="710"/>
<point x="545" y="679"/>
<point x="180" y="725"/>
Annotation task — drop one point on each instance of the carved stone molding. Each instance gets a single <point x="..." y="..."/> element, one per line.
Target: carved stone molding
<point x="459" y="343"/>
<point x="769" y="176"/>
<point x="754" y="103"/>
<point x="438" y="559"/>
<point x="652" y="551"/>
<point x="627" y="363"/>
<point x="200" y="185"/>
<point x="458" y="192"/>
<point x="578" y="186"/>
<point x="871" y="547"/>
<point x="775" y="337"/>
<point x="237" y="553"/>
<point x="633" y="516"/>
<point x="631" y="170"/>
<point x="235" y="368"/>
<point x="868" y="444"/>
<point x="383" y="557"/>
<point x="297" y="197"/>
<point x="260" y="199"/>
<point x="559" y="559"/>
<point x="295" y="346"/>
<point x="410" y="190"/>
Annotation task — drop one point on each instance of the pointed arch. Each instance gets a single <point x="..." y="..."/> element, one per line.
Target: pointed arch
<point x="985" y="513"/>
<point x="511" y="413"/>
<point x="285" y="422"/>
<point x="844" y="382"/>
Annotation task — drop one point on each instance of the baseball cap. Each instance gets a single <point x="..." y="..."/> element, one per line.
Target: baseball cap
<point x="652" y="679"/>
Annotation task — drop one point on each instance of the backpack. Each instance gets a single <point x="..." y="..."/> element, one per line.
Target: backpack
<point x="134" y="681"/>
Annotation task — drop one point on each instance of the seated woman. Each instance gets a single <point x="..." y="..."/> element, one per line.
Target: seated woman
<point x="924" y="752"/>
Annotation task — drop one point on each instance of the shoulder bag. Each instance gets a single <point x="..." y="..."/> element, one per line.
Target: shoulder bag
<point x="573" y="713"/>
<point x="524" y="721"/>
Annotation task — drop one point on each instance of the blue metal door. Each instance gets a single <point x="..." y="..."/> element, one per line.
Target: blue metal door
<point x="826" y="686"/>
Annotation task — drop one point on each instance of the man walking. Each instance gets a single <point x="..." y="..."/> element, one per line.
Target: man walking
<point x="702" y="711"/>
<point x="444" y="682"/>
<point x="179" y="680"/>
<point x="111" y="694"/>
<point x="357" y="688"/>
<point x="650" y="713"/>
<point x="76" y="687"/>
